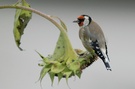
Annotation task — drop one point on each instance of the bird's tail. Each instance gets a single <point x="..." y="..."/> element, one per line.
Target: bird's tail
<point x="102" y="53"/>
<point x="104" y="58"/>
<point x="107" y="65"/>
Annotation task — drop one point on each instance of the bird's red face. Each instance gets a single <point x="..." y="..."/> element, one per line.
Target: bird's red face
<point x="80" y="20"/>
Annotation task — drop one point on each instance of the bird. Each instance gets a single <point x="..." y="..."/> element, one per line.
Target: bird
<point x="92" y="37"/>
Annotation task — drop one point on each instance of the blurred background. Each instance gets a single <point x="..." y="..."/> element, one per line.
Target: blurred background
<point x="20" y="70"/>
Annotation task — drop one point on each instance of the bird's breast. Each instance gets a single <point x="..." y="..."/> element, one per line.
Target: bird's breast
<point x="84" y="34"/>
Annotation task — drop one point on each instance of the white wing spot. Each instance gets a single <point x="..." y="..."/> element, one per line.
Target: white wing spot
<point x="97" y="47"/>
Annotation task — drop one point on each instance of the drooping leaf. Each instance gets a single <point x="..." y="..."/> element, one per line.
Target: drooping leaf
<point x="22" y="17"/>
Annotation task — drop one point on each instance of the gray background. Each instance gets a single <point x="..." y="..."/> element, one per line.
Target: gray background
<point x="19" y="70"/>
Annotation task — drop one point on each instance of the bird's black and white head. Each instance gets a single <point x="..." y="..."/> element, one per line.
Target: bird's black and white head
<point x="83" y="20"/>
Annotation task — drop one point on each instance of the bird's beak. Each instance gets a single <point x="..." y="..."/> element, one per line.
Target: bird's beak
<point x="76" y="21"/>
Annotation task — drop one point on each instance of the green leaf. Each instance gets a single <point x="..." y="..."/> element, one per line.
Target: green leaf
<point x="22" y="17"/>
<point x="59" y="51"/>
<point x="63" y="51"/>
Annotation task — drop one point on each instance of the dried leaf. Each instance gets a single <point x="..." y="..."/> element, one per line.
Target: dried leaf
<point x="22" y="17"/>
